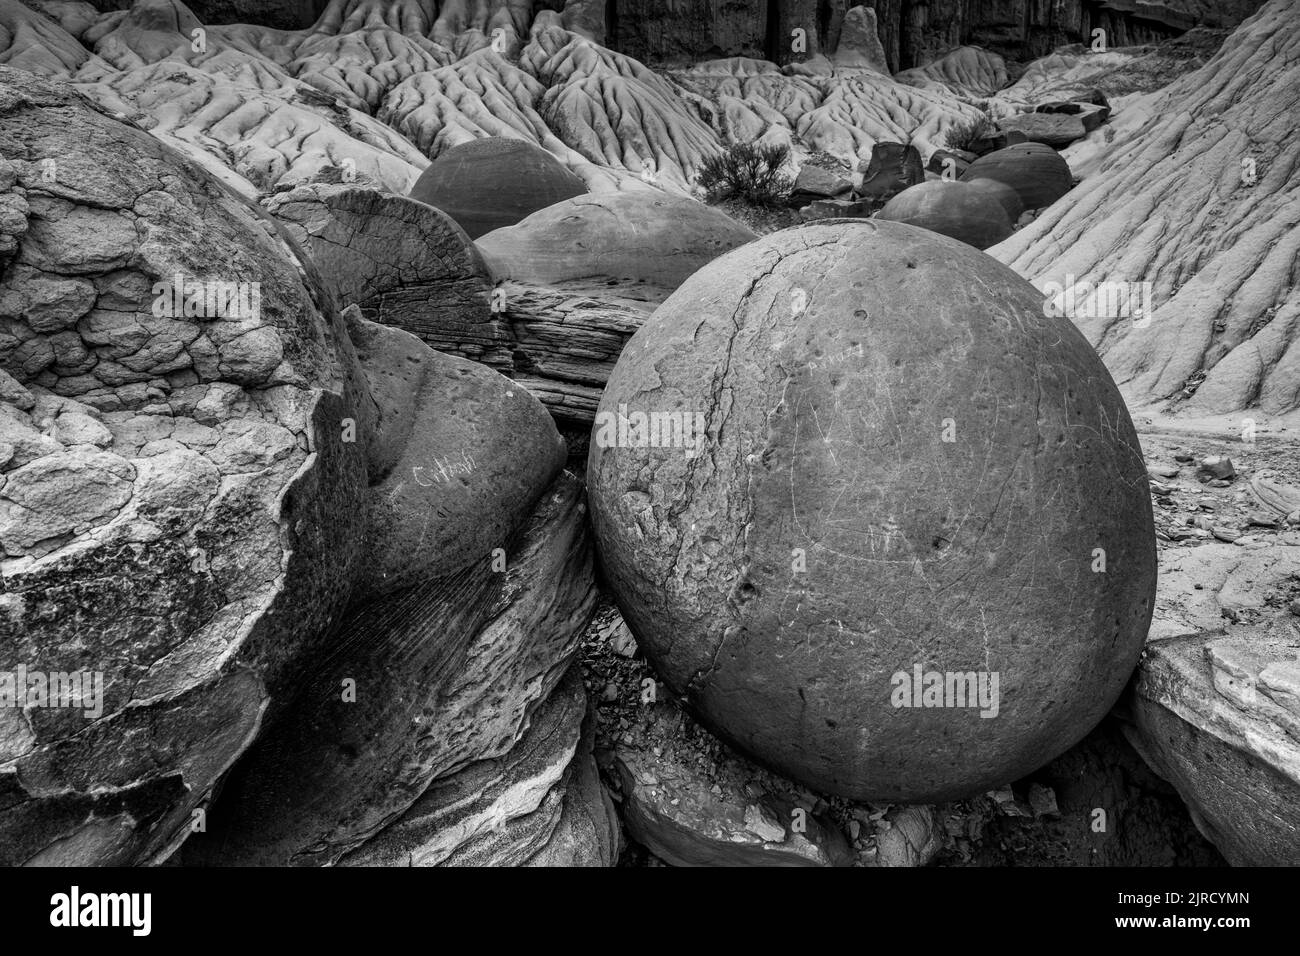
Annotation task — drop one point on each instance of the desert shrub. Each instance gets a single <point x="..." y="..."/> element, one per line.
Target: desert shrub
<point x="964" y="135"/>
<point x="747" y="171"/>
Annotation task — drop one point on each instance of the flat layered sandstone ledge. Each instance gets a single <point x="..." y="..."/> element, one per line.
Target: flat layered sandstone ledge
<point x="408" y="265"/>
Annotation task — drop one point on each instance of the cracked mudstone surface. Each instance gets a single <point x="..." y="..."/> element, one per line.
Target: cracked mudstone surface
<point x="826" y="535"/>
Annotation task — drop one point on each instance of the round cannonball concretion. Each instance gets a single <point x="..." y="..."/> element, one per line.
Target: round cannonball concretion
<point x="492" y="182"/>
<point x="1004" y="194"/>
<point x="881" y="521"/>
<point x="952" y="209"/>
<point x="1037" y="173"/>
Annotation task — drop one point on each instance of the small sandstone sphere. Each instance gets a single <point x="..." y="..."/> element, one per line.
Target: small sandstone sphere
<point x="493" y="182"/>
<point x="881" y="520"/>
<point x="952" y="209"/>
<point x="1036" y="172"/>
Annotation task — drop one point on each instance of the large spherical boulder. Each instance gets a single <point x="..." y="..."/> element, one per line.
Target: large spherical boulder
<point x="953" y="209"/>
<point x="881" y="520"/>
<point x="1036" y="172"/>
<point x="493" y="182"/>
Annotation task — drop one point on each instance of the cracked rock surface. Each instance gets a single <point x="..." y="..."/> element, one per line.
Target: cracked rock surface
<point x="1218" y="716"/>
<point x="447" y="673"/>
<point x="406" y="264"/>
<point x="176" y="509"/>
<point x="540" y="804"/>
<point x="269" y="526"/>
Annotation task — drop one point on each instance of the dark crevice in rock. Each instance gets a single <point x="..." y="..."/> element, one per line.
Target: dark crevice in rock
<point x="611" y="25"/>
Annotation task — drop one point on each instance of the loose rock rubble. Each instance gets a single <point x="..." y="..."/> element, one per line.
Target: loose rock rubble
<point x="688" y="799"/>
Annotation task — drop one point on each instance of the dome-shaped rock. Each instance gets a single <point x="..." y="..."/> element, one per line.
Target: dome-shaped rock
<point x="1036" y="172"/>
<point x="1004" y="194"/>
<point x="493" y="182"/>
<point x="882" y="521"/>
<point x="952" y="209"/>
<point x="641" y="234"/>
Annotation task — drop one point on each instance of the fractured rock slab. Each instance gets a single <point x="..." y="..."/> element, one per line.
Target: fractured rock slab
<point x="686" y="819"/>
<point x="446" y="673"/>
<point x="1219" y="718"/>
<point x="408" y="265"/>
<point x="159" y="499"/>
<point x="540" y="803"/>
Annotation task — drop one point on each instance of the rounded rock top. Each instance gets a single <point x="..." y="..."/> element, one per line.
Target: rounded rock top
<point x="1038" y="173"/>
<point x="880" y="517"/>
<point x="494" y="181"/>
<point x="954" y="209"/>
